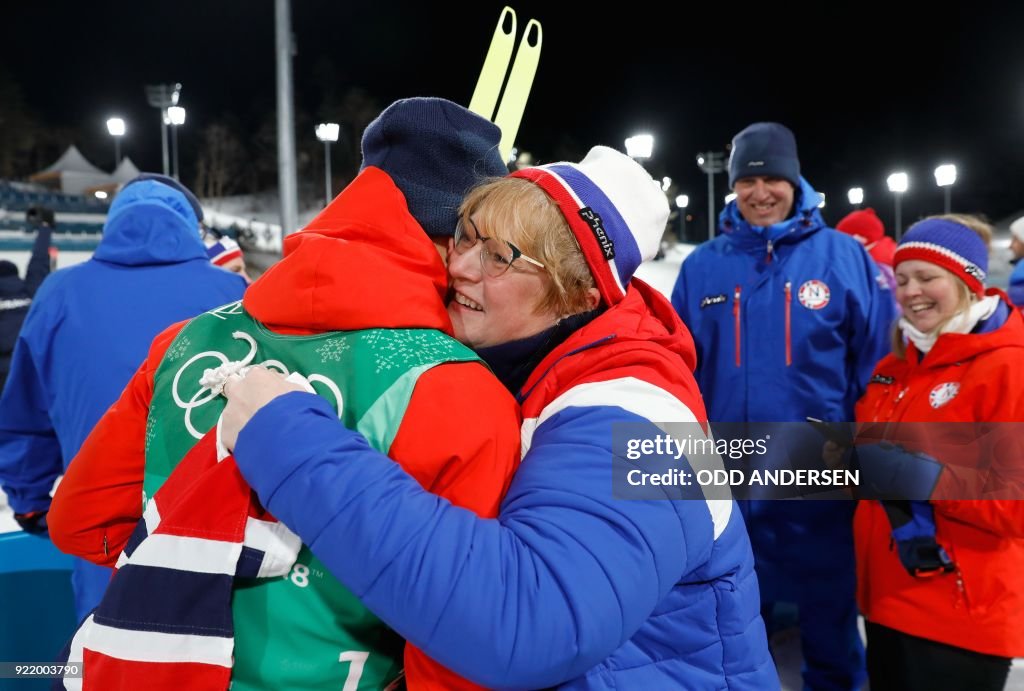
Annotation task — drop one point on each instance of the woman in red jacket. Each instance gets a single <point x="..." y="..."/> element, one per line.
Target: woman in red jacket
<point x="941" y="582"/>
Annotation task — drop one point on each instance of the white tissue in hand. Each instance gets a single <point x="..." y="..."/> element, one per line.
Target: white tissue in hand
<point x="298" y="379"/>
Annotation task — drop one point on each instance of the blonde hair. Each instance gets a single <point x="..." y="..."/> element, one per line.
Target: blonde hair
<point x="517" y="211"/>
<point x="966" y="295"/>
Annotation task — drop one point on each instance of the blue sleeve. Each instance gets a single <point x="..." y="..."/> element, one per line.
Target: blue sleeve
<point x="39" y="262"/>
<point x="537" y="596"/>
<point x="888" y="471"/>
<point x="872" y="313"/>
<point x="1015" y="291"/>
<point x="30" y="455"/>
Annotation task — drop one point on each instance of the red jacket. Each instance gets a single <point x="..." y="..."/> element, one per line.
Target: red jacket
<point x="364" y="262"/>
<point x="980" y="606"/>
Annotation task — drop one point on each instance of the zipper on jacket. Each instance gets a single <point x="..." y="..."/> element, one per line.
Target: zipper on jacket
<point x="789" y="311"/>
<point x="736" y="321"/>
<point x="896" y="403"/>
<point x="961" y="598"/>
<point x="768" y="260"/>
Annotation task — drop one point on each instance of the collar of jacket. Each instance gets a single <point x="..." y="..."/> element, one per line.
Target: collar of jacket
<point x="952" y="348"/>
<point x="806" y="221"/>
<point x="642" y="328"/>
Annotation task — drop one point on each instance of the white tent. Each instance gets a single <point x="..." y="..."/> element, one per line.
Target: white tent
<point x="125" y="171"/>
<point x="72" y="173"/>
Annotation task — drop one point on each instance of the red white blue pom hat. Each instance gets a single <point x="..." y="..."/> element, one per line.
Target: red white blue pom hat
<point x="615" y="209"/>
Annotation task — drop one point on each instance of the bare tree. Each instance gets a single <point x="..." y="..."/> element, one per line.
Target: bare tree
<point x="18" y="133"/>
<point x="219" y="167"/>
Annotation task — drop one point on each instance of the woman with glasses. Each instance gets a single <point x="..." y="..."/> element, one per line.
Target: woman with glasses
<point x="570" y="585"/>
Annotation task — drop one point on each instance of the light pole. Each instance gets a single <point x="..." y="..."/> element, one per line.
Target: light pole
<point x="856" y="196"/>
<point x="640" y="146"/>
<point x="176" y="118"/>
<point x="163" y="96"/>
<point x="945" y="176"/>
<point x="898" y="184"/>
<point x="327" y="132"/>
<point x="115" y="126"/>
<point x="711" y="162"/>
<point x="682" y="201"/>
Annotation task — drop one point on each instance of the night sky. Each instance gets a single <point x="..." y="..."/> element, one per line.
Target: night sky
<point x="867" y="89"/>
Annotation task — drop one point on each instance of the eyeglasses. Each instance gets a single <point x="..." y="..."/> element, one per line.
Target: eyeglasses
<point x="496" y="256"/>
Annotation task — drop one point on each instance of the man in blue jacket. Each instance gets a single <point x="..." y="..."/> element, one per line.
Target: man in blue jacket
<point x="16" y="293"/>
<point x="87" y="331"/>
<point x="789" y="319"/>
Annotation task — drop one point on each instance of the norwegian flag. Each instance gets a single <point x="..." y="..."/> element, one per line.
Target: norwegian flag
<point x="165" y="621"/>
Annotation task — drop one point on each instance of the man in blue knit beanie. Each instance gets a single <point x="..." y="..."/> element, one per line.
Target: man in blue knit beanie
<point x="789" y="318"/>
<point x="434" y="150"/>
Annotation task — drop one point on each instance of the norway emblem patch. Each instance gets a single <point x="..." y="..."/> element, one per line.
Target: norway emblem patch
<point x="943" y="394"/>
<point x="814" y="294"/>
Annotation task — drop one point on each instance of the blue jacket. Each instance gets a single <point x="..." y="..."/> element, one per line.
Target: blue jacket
<point x="1016" y="289"/>
<point x="807" y="307"/>
<point x="789" y="322"/>
<point x="90" y="327"/>
<point x="569" y="585"/>
<point x="16" y="295"/>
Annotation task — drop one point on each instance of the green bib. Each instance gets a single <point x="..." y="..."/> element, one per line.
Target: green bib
<point x="305" y="630"/>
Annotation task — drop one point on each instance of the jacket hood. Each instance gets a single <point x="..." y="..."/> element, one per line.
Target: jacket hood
<point x="950" y="348"/>
<point x="806" y="220"/>
<point x="150" y="223"/>
<point x="363" y="262"/>
<point x="883" y="251"/>
<point x="642" y="328"/>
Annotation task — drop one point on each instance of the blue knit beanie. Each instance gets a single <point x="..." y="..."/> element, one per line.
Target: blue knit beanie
<point x="948" y="244"/>
<point x="764" y="149"/>
<point x="434" y="150"/>
<point x="193" y="201"/>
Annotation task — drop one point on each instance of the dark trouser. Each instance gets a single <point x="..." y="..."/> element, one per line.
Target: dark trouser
<point x="900" y="662"/>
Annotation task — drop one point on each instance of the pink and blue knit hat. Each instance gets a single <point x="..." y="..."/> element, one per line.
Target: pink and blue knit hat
<point x="616" y="211"/>
<point x="948" y="244"/>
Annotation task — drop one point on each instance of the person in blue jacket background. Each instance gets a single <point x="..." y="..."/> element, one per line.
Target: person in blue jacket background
<point x="16" y="293"/>
<point x="87" y="331"/>
<point x="1016" y="287"/>
<point x="789" y="321"/>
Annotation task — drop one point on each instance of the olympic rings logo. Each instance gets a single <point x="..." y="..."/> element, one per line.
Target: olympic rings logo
<point x="205" y="394"/>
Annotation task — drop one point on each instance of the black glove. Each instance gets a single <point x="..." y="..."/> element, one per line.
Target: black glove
<point x="33" y="522"/>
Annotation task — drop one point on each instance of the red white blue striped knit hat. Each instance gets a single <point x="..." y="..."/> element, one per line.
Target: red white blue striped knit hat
<point x="948" y="244"/>
<point x="616" y="211"/>
<point x="222" y="251"/>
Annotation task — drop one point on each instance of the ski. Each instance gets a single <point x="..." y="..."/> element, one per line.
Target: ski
<point x="520" y="79"/>
<point x="492" y="75"/>
<point x="517" y="91"/>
